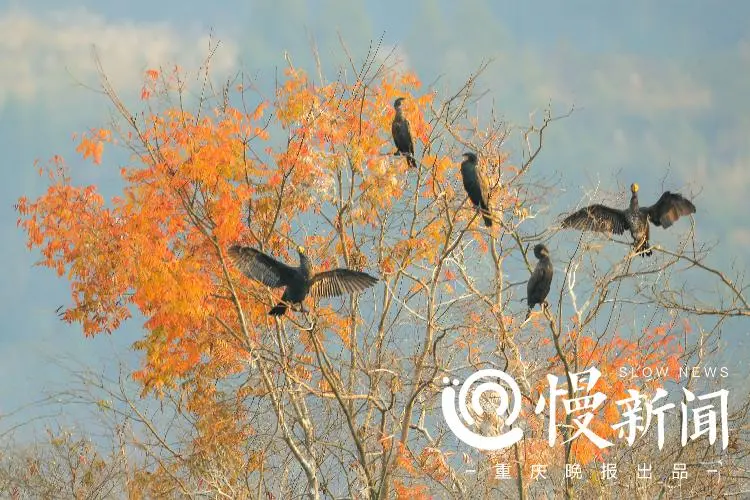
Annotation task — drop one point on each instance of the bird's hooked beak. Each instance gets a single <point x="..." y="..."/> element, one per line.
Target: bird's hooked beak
<point x="634" y="188"/>
<point x="301" y="249"/>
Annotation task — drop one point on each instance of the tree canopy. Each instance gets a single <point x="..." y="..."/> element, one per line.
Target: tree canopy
<point x="344" y="401"/>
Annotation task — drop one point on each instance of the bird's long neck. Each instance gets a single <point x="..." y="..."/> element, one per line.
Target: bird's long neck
<point x="304" y="265"/>
<point x="634" y="202"/>
<point x="399" y="113"/>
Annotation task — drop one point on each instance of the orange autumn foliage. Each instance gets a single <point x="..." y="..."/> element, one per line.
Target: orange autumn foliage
<point x="158" y="248"/>
<point x="404" y="492"/>
<point x="659" y="347"/>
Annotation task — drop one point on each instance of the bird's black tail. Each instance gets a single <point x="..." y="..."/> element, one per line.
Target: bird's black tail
<point x="411" y="160"/>
<point x="278" y="310"/>
<point x="486" y="216"/>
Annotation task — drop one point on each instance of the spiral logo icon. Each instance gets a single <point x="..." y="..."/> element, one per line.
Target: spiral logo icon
<point x="508" y="408"/>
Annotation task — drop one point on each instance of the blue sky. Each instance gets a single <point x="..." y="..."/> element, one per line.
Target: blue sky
<point x="660" y="90"/>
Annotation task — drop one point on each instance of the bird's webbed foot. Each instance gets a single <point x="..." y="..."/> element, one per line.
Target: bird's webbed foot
<point x="308" y="320"/>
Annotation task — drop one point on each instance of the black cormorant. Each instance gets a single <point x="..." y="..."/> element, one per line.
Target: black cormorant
<point x="299" y="281"/>
<point x="540" y="281"/>
<point x="402" y="134"/>
<point x="669" y="208"/>
<point x="475" y="184"/>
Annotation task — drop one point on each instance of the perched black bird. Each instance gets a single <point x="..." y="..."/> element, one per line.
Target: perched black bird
<point x="540" y="281"/>
<point x="669" y="208"/>
<point x="402" y="134"/>
<point x="475" y="184"/>
<point x="299" y="281"/>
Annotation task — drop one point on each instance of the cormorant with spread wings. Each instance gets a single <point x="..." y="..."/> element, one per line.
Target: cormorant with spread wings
<point x="299" y="281"/>
<point x="664" y="213"/>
